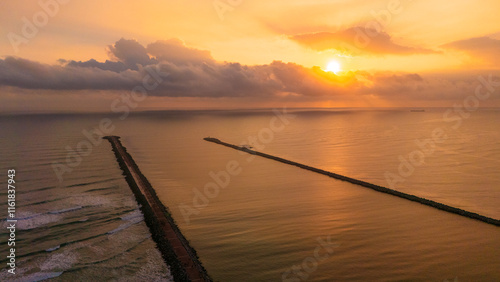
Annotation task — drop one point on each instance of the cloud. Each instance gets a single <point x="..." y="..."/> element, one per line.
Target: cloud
<point x="193" y="73"/>
<point x="131" y="53"/>
<point x="485" y="48"/>
<point x="28" y="74"/>
<point x="356" y="41"/>
<point x="125" y="54"/>
<point x="175" y="51"/>
<point x="183" y="80"/>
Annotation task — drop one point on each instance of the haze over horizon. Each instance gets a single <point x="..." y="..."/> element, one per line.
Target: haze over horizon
<point x="82" y="56"/>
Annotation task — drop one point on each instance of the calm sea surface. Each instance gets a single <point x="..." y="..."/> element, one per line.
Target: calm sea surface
<point x="254" y="219"/>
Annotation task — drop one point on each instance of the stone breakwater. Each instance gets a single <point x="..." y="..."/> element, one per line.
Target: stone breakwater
<point x="378" y="188"/>
<point x="175" y="249"/>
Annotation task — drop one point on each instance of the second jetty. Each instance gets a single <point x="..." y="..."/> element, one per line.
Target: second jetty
<point x="378" y="188"/>
<point x="175" y="249"/>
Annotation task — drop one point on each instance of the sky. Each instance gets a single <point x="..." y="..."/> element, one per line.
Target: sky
<point x="78" y="56"/>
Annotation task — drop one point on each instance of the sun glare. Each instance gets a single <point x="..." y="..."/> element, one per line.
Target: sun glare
<point x="333" y="66"/>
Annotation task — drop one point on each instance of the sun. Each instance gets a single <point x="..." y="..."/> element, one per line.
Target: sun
<point x="333" y="66"/>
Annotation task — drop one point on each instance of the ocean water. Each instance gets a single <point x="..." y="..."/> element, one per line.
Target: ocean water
<point x="87" y="227"/>
<point x="253" y="219"/>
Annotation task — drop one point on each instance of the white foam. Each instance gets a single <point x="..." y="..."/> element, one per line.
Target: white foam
<point x="154" y="269"/>
<point x="66" y="210"/>
<point x="31" y="215"/>
<point x="59" y="261"/>
<point x="90" y="200"/>
<point x="28" y="220"/>
<point x="53" y="249"/>
<point x="40" y="276"/>
<point x="35" y="222"/>
<point x="126" y="225"/>
<point x="87" y="200"/>
<point x="135" y="214"/>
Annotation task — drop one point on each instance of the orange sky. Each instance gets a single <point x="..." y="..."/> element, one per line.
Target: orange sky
<point x="377" y="43"/>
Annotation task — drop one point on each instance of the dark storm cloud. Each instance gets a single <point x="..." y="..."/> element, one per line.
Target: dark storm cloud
<point x="194" y="73"/>
<point x="27" y="74"/>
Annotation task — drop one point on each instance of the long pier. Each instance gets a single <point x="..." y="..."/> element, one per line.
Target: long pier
<point x="378" y="188"/>
<point x="175" y="249"/>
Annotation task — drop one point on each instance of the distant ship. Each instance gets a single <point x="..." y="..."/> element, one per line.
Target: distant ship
<point x="418" y="111"/>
